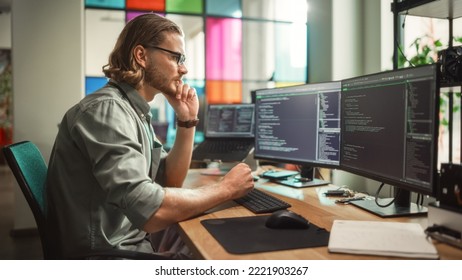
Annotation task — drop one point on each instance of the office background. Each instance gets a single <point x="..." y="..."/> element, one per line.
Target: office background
<point x="51" y="42"/>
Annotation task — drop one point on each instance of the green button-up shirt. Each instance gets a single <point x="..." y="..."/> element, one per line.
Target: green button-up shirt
<point x="99" y="189"/>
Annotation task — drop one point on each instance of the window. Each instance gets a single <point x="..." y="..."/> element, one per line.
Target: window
<point x="421" y="32"/>
<point x="233" y="46"/>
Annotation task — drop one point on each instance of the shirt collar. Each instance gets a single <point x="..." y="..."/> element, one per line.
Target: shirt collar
<point x="140" y="105"/>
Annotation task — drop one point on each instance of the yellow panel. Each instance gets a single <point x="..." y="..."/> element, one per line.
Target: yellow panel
<point x="286" y="84"/>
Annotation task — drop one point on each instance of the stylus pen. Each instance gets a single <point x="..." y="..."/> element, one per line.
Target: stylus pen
<point x="346" y="200"/>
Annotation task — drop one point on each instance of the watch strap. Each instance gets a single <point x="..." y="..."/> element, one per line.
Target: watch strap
<point x="188" y="123"/>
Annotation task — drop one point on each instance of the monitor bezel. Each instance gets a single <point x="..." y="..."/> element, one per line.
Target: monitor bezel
<point x="409" y="186"/>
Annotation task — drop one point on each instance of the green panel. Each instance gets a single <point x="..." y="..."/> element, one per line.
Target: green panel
<point x="184" y="6"/>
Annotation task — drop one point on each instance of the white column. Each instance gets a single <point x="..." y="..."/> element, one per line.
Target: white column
<point x="347" y="41"/>
<point x="320" y="45"/>
<point x="48" y="74"/>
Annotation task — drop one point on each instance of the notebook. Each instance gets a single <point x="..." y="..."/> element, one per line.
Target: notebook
<point x="229" y="133"/>
<point x="381" y="238"/>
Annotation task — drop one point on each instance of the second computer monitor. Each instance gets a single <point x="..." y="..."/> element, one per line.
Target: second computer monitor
<point x="390" y="133"/>
<point x="299" y="125"/>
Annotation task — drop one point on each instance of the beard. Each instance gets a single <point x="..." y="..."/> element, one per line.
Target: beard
<point x="158" y="80"/>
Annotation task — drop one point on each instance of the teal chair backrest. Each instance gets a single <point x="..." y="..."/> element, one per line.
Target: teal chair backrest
<point x="30" y="170"/>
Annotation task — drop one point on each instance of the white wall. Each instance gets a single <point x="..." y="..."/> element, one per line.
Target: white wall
<point x="386" y="35"/>
<point x="48" y="73"/>
<point x="371" y="28"/>
<point x="349" y="38"/>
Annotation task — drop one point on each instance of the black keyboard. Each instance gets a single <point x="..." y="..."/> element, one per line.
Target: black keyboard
<point x="258" y="202"/>
<point x="224" y="150"/>
<point x="228" y="146"/>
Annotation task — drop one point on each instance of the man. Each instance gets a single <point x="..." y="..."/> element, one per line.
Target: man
<point x="109" y="181"/>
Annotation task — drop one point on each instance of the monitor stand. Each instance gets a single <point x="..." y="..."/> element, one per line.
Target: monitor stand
<point x="304" y="180"/>
<point x="401" y="207"/>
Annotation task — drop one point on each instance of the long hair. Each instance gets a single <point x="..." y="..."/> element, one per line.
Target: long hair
<point x="144" y="30"/>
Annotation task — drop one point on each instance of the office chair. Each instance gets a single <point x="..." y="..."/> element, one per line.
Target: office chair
<point x="30" y="170"/>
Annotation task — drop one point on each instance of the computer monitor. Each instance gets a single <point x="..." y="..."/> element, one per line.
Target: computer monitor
<point x="299" y="125"/>
<point x="230" y="120"/>
<point x="389" y="133"/>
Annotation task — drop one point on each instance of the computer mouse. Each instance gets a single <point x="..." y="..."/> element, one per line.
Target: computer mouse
<point x="286" y="219"/>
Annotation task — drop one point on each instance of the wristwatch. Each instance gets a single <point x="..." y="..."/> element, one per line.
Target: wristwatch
<point x="188" y="123"/>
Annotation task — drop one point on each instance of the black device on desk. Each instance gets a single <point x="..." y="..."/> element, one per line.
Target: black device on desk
<point x="286" y="219"/>
<point x="278" y="174"/>
<point x="299" y="125"/>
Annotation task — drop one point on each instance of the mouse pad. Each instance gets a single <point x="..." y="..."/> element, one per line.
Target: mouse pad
<point x="250" y="235"/>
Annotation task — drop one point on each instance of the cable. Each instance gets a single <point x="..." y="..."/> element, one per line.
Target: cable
<point x="420" y="199"/>
<point x="404" y="20"/>
<point x="402" y="53"/>
<point x="316" y="172"/>
<point x="377" y="197"/>
<point x="397" y="43"/>
<point x="319" y="174"/>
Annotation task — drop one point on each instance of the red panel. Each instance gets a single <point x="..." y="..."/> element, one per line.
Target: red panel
<point x="151" y="5"/>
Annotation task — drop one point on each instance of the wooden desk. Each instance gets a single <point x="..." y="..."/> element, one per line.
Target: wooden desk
<point x="308" y="202"/>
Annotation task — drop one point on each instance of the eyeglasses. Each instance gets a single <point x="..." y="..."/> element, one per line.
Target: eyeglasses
<point x="180" y="58"/>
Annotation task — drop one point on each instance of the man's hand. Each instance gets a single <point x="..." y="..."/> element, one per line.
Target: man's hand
<point x="238" y="181"/>
<point x="185" y="102"/>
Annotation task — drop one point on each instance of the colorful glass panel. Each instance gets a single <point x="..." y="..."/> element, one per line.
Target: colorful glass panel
<point x="94" y="83"/>
<point x="224" y="49"/>
<point x="150" y="5"/>
<point x="184" y="6"/>
<point x="117" y="4"/>
<point x="228" y="8"/>
<point x="279" y="10"/>
<point x="291" y="54"/>
<point x="223" y="92"/>
<point x="193" y="28"/>
<point x="258" y="50"/>
<point x="102" y="28"/>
